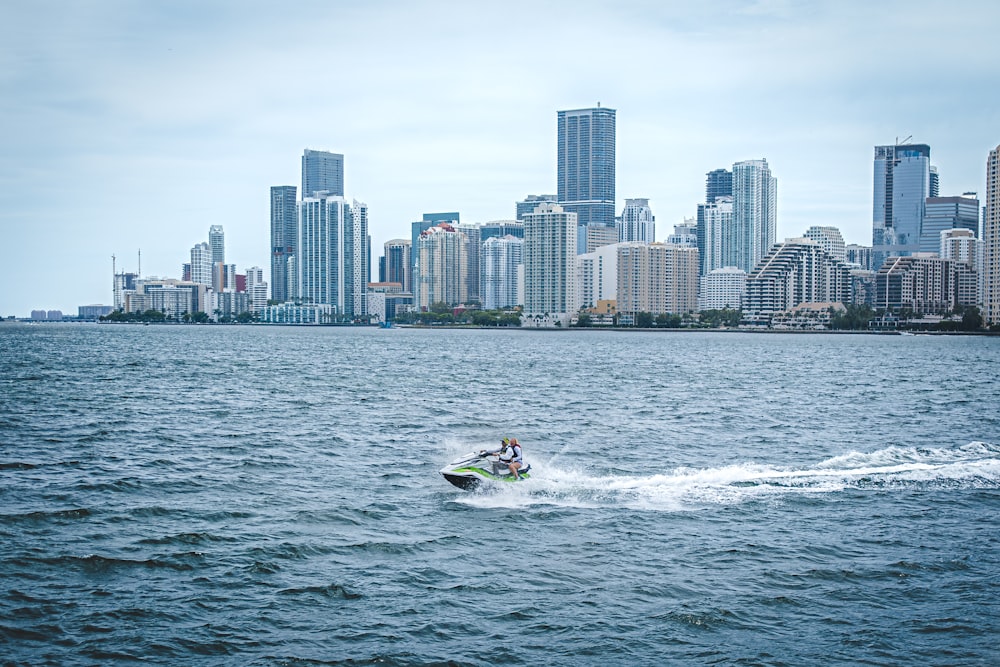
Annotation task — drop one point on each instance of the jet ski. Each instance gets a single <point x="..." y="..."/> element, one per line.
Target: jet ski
<point x="478" y="468"/>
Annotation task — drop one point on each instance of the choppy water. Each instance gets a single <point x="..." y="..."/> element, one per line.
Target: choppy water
<point x="270" y="496"/>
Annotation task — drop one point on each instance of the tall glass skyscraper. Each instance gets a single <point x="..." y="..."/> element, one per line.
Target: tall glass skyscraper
<point x="217" y="241"/>
<point x="331" y="259"/>
<point x="902" y="183"/>
<point x="322" y="172"/>
<point x="991" y="240"/>
<point x="586" y="165"/>
<point x="284" y="224"/>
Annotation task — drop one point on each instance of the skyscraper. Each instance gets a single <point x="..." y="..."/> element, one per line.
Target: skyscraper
<point x="417" y="228"/>
<point x="638" y="223"/>
<point x="442" y="275"/>
<point x="902" y="183"/>
<point x="586" y="165"/>
<point x="991" y="240"/>
<point x="398" y="265"/>
<point x="754" y="213"/>
<point x="322" y="172"/>
<point x="500" y="258"/>
<point x="284" y="229"/>
<point x="330" y="260"/>
<point x="217" y="241"/>
<point x="201" y="264"/>
<point x="944" y="213"/>
<point x="718" y="183"/>
<point x="550" y="264"/>
<point x="715" y="231"/>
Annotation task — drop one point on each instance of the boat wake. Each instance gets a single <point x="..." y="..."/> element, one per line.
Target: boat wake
<point x="972" y="466"/>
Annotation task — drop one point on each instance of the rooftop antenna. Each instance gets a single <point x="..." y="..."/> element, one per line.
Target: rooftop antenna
<point x="140" y="264"/>
<point x="904" y="140"/>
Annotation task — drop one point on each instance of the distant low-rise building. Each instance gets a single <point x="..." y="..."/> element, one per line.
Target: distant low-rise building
<point x="722" y="289"/>
<point x="291" y="313"/>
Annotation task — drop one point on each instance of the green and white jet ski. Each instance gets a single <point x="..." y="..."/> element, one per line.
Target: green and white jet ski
<point x="476" y="469"/>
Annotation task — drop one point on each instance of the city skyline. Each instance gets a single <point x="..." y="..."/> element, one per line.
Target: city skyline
<point x="121" y="137"/>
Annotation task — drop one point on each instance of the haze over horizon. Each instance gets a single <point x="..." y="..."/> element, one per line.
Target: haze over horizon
<point x="131" y="126"/>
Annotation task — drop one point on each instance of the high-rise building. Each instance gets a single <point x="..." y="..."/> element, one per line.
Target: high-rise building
<point x="793" y="273"/>
<point x="657" y="278"/>
<point x="754" y="213"/>
<point x="201" y="264"/>
<point x="861" y="255"/>
<point x="529" y="204"/>
<point x="685" y="233"/>
<point x="398" y="264"/>
<point x="322" y="171"/>
<point x="924" y="285"/>
<point x="419" y="227"/>
<point x="474" y="241"/>
<point x="902" y="183"/>
<point x="718" y="183"/>
<point x="217" y="241"/>
<point x="722" y="289"/>
<point x="586" y="165"/>
<point x="637" y="222"/>
<point x="829" y="239"/>
<point x="500" y="258"/>
<point x="284" y="228"/>
<point x="501" y="228"/>
<point x="991" y="240"/>
<point x="331" y="256"/>
<point x="597" y="276"/>
<point x="944" y="213"/>
<point x="550" y="265"/>
<point x="256" y="289"/>
<point x="442" y="267"/>
<point x="716" y="243"/>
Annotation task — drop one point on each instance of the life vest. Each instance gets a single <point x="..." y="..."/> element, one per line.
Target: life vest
<point x="511" y="453"/>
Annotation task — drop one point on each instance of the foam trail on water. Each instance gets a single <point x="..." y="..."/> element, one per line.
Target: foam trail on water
<point x="976" y="465"/>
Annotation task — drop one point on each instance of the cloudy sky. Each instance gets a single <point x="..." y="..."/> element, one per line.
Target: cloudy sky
<point x="137" y="124"/>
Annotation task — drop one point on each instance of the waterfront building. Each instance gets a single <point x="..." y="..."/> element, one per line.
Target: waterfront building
<point x="227" y="304"/>
<point x="597" y="276"/>
<point x="123" y="283"/>
<point x="397" y="264"/>
<point x="656" y="278"/>
<point x="385" y="299"/>
<point x="93" y="311"/>
<point x="528" y="205"/>
<point x="902" y="183"/>
<point x="499" y="263"/>
<point x="293" y="313"/>
<point x="754" y="214"/>
<point x="859" y="255"/>
<point x="637" y="222"/>
<point x="201" y="264"/>
<point x="722" y="288"/>
<point x="924" y="285"/>
<point x="716" y="240"/>
<point x="284" y="229"/>
<point x="794" y="272"/>
<point x="586" y="165"/>
<point x="322" y="171"/>
<point x="829" y="239"/>
<point x="991" y="240"/>
<point x="550" y="291"/>
<point x="945" y="213"/>
<point x="442" y="267"/>
<point x="173" y="298"/>
<point x="332" y="255"/>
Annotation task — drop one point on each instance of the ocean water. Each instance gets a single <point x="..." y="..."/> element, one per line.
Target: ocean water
<point x="181" y="495"/>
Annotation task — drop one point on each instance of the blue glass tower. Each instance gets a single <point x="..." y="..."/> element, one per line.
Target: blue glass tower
<point x="902" y="183"/>
<point x="586" y="165"/>
<point x="322" y="172"/>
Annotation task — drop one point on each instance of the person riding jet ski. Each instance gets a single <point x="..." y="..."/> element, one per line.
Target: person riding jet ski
<point x="510" y="454"/>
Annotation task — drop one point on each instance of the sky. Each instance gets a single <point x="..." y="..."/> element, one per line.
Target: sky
<point x="133" y="126"/>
